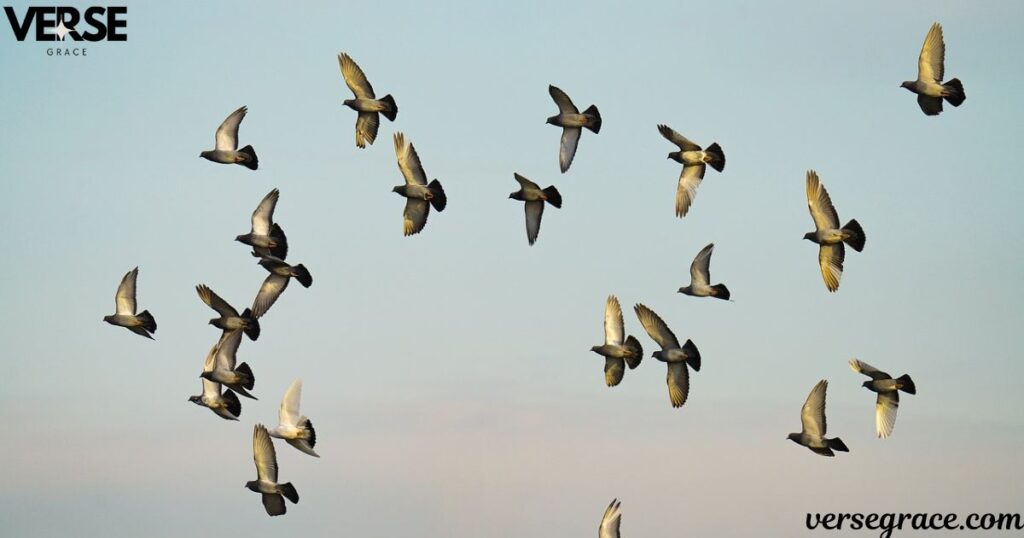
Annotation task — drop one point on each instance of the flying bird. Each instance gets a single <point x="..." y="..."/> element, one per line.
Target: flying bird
<point x="276" y="282"/>
<point x="124" y="308"/>
<point x="929" y="87"/>
<point x="229" y="318"/>
<point x="226" y="404"/>
<point x="888" y="394"/>
<point x="572" y="123"/>
<point x="266" y="484"/>
<point x="694" y="161"/>
<point x="700" y="277"/>
<point x="419" y="195"/>
<point x="618" y="349"/>
<point x="226" y="151"/>
<point x="294" y="428"/>
<point x="365" y="103"/>
<point x="828" y="235"/>
<point x="676" y="357"/>
<point x="238" y="378"/>
<point x="265" y="237"/>
<point x="534" y="197"/>
<point x="610" y="521"/>
<point x="812" y="419"/>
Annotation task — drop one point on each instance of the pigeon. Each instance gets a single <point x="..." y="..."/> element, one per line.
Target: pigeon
<point x="676" y="357"/>
<point x="929" y="87"/>
<point x="610" y="521"/>
<point x="280" y="273"/>
<point x="888" y="394"/>
<point x="224" y="371"/>
<point x="294" y="428"/>
<point x="616" y="351"/>
<point x="227" y="151"/>
<point x="265" y="237"/>
<point x="827" y="233"/>
<point x="700" y="277"/>
<point x="124" y="309"/>
<point x="365" y="103"/>
<point x="225" y="405"/>
<point x="812" y="419"/>
<point x="419" y="195"/>
<point x="534" y="197"/>
<point x="572" y="123"/>
<point x="229" y="318"/>
<point x="266" y="484"/>
<point x="694" y="161"/>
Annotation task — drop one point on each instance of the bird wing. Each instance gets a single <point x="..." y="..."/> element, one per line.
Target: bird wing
<point x="700" y="269"/>
<point x="534" y="212"/>
<point x="366" y="128"/>
<point x="689" y="179"/>
<point x="656" y="328"/>
<point x="526" y="184"/>
<point x="354" y="77"/>
<point x="678" y="380"/>
<point x="684" y="143"/>
<point x="565" y="105"/>
<point x="227" y="133"/>
<point x="288" y="414"/>
<point x="567" y="150"/>
<point x="862" y="367"/>
<point x="933" y="54"/>
<point x="812" y="415"/>
<point x="614" y="328"/>
<point x="272" y="288"/>
<point x="613" y="370"/>
<point x="263" y="215"/>
<point x="409" y="161"/>
<point x="274" y="504"/>
<point x="830" y="258"/>
<point x="215" y="302"/>
<point x="610" y="521"/>
<point x="124" y="299"/>
<point x="820" y="205"/>
<point x="263" y="454"/>
<point x="415" y="215"/>
<point x="931" y="106"/>
<point x="227" y="349"/>
<point x="885" y="413"/>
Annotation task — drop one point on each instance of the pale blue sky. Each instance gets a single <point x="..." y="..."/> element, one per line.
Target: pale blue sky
<point x="448" y="374"/>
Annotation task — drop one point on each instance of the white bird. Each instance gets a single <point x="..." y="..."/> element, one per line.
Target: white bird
<point x="929" y="87"/>
<point x="814" y="426"/>
<point x="225" y="405"/>
<point x="571" y="122"/>
<point x="694" y="161"/>
<point x="265" y="237"/>
<point x="239" y="379"/>
<point x="226" y="151"/>
<point x="294" y="428"/>
<point x="266" y="484"/>
<point x="534" y="198"/>
<point x="610" y="521"/>
<point x="124" y="304"/>
<point x="618" y="349"/>
<point x="700" y="277"/>
<point x="674" y="355"/>
<point x="827" y="233"/>
<point x="365" y="103"/>
<point x="419" y="195"/>
<point x="888" y="400"/>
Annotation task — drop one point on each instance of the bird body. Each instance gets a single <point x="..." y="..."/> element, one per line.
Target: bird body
<point x="930" y="89"/>
<point x="571" y="122"/>
<point x="229" y="319"/>
<point x="366" y="104"/>
<point x="223" y="370"/>
<point x="677" y="357"/>
<point x="266" y="482"/>
<point x="827" y="233"/>
<point x="419" y="195"/>
<point x="695" y="161"/>
<point x="700" y="277"/>
<point x="124" y="314"/>
<point x="814" y="425"/>
<point x="265" y="236"/>
<point x="226" y="150"/>
<point x="618" y="349"/>
<point x="534" y="198"/>
<point x="888" y="390"/>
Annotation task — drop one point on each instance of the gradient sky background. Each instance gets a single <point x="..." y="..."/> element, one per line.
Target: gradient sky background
<point x="449" y="374"/>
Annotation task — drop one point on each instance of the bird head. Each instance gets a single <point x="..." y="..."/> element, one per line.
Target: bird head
<point x="684" y="290"/>
<point x="596" y="349"/>
<point x="109" y="319"/>
<point x="207" y="375"/>
<point x="399" y="189"/>
<point x="909" y="84"/>
<point x="810" y="236"/>
<point x="196" y="400"/>
<point x="866" y="384"/>
<point x="253" y="485"/>
<point x="551" y="120"/>
<point x="795" y="437"/>
<point x="241" y="238"/>
<point x="205" y="154"/>
<point x="349" y="102"/>
<point x="518" y="195"/>
<point x="657" y="355"/>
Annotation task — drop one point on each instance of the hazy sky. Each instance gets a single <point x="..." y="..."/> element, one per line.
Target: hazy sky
<point x="449" y="374"/>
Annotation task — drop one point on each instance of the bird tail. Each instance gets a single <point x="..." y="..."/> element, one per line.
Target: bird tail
<point x="553" y="196"/>
<point x="234" y="406"/>
<point x="147" y="320"/>
<point x="248" y="380"/>
<point x="837" y="444"/>
<point x="855" y="236"/>
<point x="637" y="352"/>
<point x="720" y="291"/>
<point x="288" y="490"/>
<point x="302" y="275"/>
<point x="308" y="433"/>
<point x="692" y="355"/>
<point x="391" y="112"/>
<point x="955" y="92"/>
<point x="251" y="161"/>
<point x="439" y="199"/>
<point x="717" y="156"/>
<point x="252" y="328"/>
<point x="593" y="119"/>
<point x="906" y="384"/>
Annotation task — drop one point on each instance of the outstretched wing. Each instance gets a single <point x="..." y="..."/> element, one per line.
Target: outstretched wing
<point x="567" y="149"/>
<point x="700" y="269"/>
<point x="227" y="349"/>
<point x="930" y="64"/>
<point x="678" y="380"/>
<point x="414" y="218"/>
<point x="215" y="302"/>
<point x="227" y="133"/>
<point x="366" y="128"/>
<point x="830" y="258"/>
<point x="684" y="143"/>
<point x="862" y="367"/>
<point x="354" y="77"/>
<point x="264" y="455"/>
<point x="614" y="328"/>
<point x="812" y="415"/>
<point x="263" y="215"/>
<point x="534" y="213"/>
<point x="819" y="204"/>
<point x="525" y="184"/>
<point x="565" y="105"/>
<point x="610" y="521"/>
<point x="272" y="288"/>
<point x="288" y="414"/>
<point x="656" y="328"/>
<point x="686" y="191"/>
<point x="124" y="300"/>
<point x="885" y="413"/>
<point x="409" y="161"/>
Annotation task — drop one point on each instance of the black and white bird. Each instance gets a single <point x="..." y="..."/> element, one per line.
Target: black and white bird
<point x="888" y="400"/>
<point x="224" y="404"/>
<point x="700" y="277"/>
<point x="224" y="371"/>
<point x="929" y="87"/>
<point x="226" y="150"/>
<point x="827" y="233"/>
<point x="534" y="198"/>
<point x="572" y="124"/>
<point x="419" y="195"/>
<point x="229" y="318"/>
<point x="265" y="237"/>
<point x="365" y="103"/>
<point x="812" y="420"/>
<point x="675" y="356"/>
<point x="610" y="521"/>
<point x="695" y="161"/>
<point x="266" y="484"/>
<point x="274" y="285"/>
<point x="294" y="428"/>
<point x="124" y="314"/>
<point x="618" y="349"/>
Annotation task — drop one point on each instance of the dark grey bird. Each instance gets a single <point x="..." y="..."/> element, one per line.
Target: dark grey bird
<point x="237" y="378"/>
<point x="265" y="237"/>
<point x="695" y="161"/>
<point x="618" y="349"/>
<point x="229" y="318"/>
<point x="572" y="124"/>
<point x="929" y="87"/>
<point x="419" y="195"/>
<point x="814" y="426"/>
<point x="224" y="404"/>
<point x="827" y="233"/>
<point x="675" y="356"/>
<point x="365" y="103"/>
<point x="888" y="400"/>
<point x="124" y="314"/>
<point x="266" y="484"/>
<point x="276" y="282"/>
<point x="226" y="150"/>
<point x="534" y="198"/>
<point x="700" y="277"/>
<point x="610" y="521"/>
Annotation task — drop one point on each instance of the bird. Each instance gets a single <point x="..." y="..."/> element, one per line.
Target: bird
<point x="610" y="521"/>
<point x="694" y="161"/>
<point x="572" y="123"/>
<point x="266" y="484"/>
<point x="276" y="282"/>
<point x="229" y="318"/>
<point x="618" y="349"/>
<point x="812" y="420"/>
<point x="828" y="235"/>
<point x="419" y="195"/>
<point x="700" y="277"/>
<point x="265" y="237"/>
<point x="929" y="87"/>
<point x="226" y="150"/>
<point x="124" y="308"/>
<point x="888" y="394"/>
<point x="676" y="357"/>
<point x="365" y="103"/>
<point x="237" y="378"/>
<point x="534" y="196"/>
<point x="294" y="428"/>
<point x="226" y="404"/>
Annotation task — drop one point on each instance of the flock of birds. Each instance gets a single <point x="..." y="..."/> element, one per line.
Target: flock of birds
<point x="223" y="379"/>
